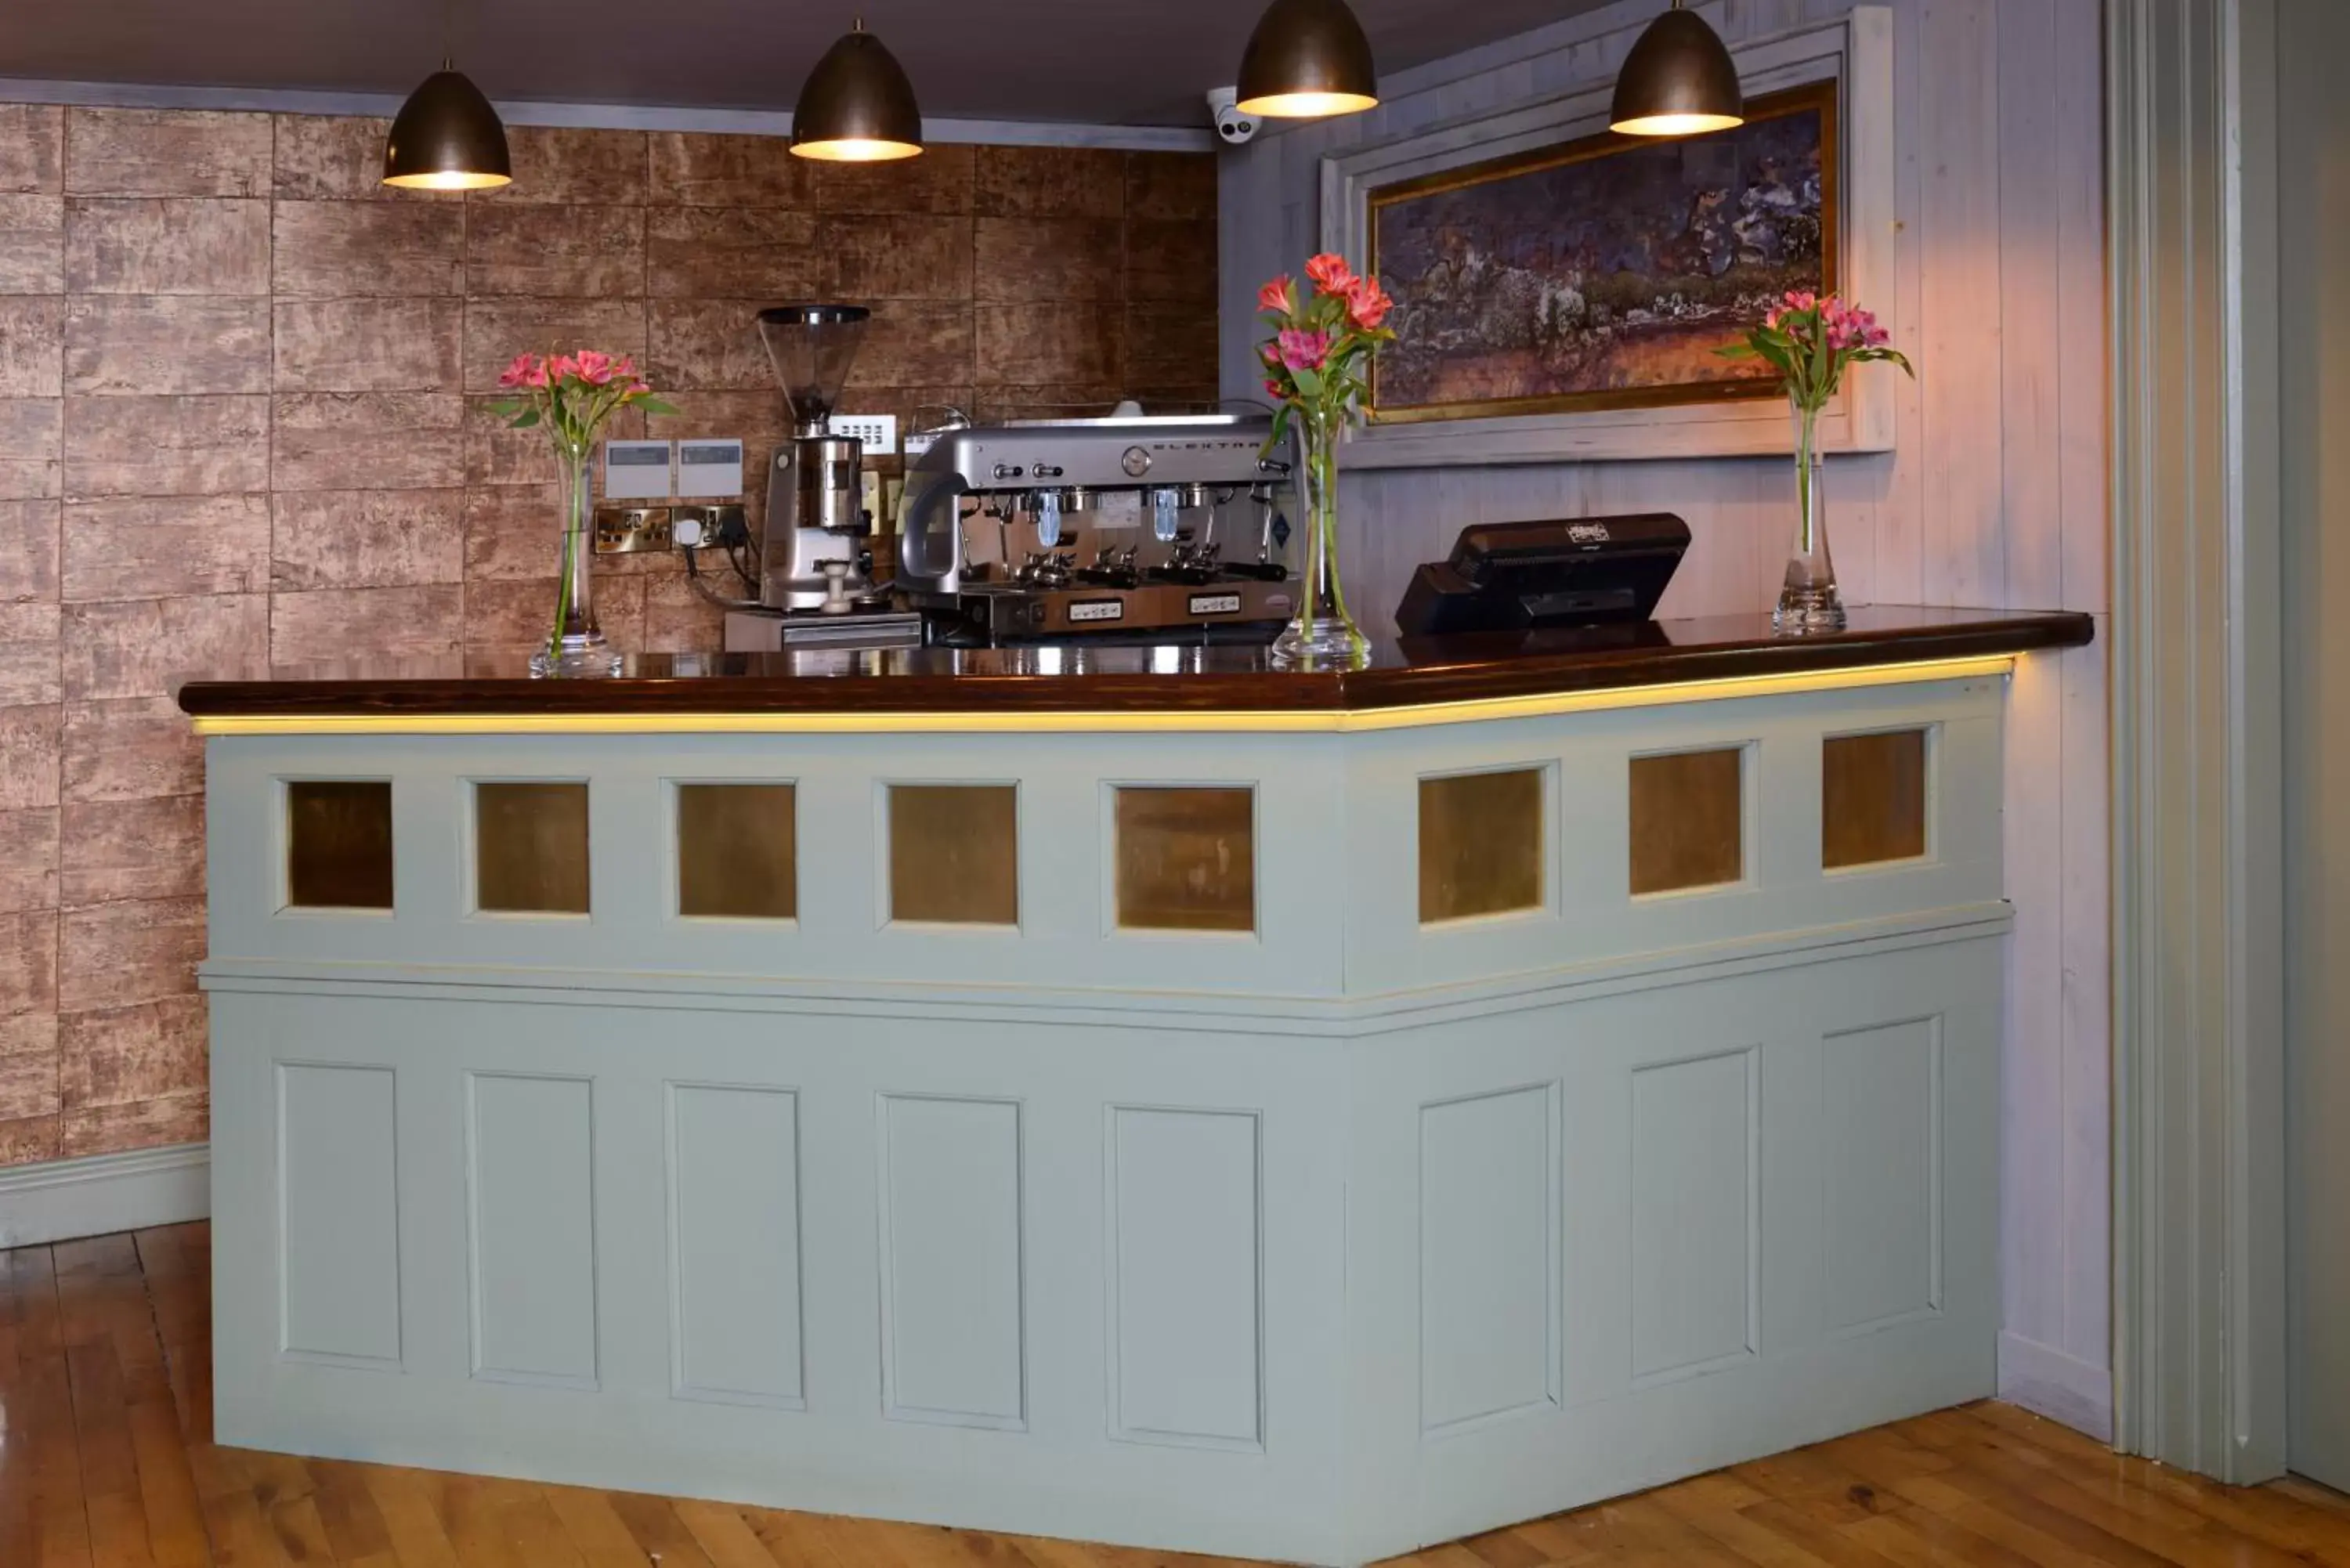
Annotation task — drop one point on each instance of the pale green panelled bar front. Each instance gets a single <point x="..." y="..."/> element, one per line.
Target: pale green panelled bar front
<point x="1133" y="1097"/>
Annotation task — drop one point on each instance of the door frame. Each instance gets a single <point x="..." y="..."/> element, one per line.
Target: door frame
<point x="2199" y="988"/>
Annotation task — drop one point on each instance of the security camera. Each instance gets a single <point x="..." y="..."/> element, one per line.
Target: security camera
<point x="1232" y="125"/>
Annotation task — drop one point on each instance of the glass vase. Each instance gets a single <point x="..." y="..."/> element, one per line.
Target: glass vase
<point x="1322" y="635"/>
<point x="574" y="644"/>
<point x="1808" y="599"/>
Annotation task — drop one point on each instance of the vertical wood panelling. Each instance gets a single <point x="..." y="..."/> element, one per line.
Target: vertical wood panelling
<point x="1489" y="1262"/>
<point x="531" y="1192"/>
<point x="338" y="1213"/>
<point x="953" y="1313"/>
<point x="1995" y="494"/>
<point x="1881" y="1114"/>
<point x="734" y="1244"/>
<point x="1185" y="1287"/>
<point x="1696" y="1225"/>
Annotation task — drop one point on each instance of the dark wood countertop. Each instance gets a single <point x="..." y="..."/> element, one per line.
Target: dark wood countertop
<point x="1171" y="679"/>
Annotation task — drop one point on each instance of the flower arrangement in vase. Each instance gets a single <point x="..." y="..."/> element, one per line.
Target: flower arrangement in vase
<point x="1812" y="340"/>
<point x="573" y="397"/>
<point x="1317" y="366"/>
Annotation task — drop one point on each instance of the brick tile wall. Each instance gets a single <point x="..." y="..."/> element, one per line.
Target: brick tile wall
<point x="244" y="419"/>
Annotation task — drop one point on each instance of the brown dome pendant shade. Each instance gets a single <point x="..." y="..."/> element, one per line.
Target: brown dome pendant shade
<point x="1307" y="59"/>
<point x="858" y="106"/>
<point x="1679" y="81"/>
<point x="447" y="138"/>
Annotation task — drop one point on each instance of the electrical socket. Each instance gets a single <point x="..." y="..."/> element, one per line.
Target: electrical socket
<point x="629" y="530"/>
<point x="878" y="431"/>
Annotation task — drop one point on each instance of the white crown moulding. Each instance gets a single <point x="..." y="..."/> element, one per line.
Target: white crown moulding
<point x="596" y="115"/>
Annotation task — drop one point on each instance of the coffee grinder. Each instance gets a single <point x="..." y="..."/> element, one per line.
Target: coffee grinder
<point x="816" y="508"/>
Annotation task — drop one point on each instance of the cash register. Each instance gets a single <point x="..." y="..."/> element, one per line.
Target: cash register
<point x="1539" y="575"/>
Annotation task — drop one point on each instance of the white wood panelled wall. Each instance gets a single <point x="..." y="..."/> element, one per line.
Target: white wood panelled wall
<point x="1996" y="495"/>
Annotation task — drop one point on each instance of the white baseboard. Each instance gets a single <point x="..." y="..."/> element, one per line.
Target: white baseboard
<point x="104" y="1193"/>
<point x="2064" y="1387"/>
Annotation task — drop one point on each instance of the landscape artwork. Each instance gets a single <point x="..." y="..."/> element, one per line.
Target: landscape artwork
<point x="1603" y="272"/>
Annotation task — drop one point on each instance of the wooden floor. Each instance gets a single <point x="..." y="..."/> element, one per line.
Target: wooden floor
<point x="106" y="1463"/>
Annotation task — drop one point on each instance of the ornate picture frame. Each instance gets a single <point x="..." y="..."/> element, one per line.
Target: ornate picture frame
<point x="1847" y="63"/>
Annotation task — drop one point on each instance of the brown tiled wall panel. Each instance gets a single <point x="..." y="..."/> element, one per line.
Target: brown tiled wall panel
<point x="245" y="417"/>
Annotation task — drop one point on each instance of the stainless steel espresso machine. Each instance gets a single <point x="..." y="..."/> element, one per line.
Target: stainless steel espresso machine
<point x="814" y="551"/>
<point x="1055" y="528"/>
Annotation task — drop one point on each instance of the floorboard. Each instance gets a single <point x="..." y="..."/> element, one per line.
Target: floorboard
<point x="107" y="1461"/>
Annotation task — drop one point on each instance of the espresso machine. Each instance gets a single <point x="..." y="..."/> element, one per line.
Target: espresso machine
<point x="814" y="550"/>
<point x="1032" y="529"/>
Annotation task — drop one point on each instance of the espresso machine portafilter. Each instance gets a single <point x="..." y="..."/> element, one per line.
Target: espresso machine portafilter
<point x="815" y="510"/>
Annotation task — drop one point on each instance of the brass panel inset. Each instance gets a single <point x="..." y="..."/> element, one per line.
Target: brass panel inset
<point x="1872" y="798"/>
<point x="339" y="844"/>
<point x="1688" y="820"/>
<point x="1186" y="858"/>
<point x="1481" y="845"/>
<point x="737" y="851"/>
<point x="955" y="854"/>
<point x="530" y="848"/>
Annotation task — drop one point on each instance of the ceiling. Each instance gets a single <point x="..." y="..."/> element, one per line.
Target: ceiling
<point x="1109" y="62"/>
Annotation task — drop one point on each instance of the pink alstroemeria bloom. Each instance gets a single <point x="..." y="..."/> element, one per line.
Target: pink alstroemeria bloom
<point x="595" y="367"/>
<point x="1330" y="273"/>
<point x="1275" y="296"/>
<point x="517" y="374"/>
<point x="540" y="374"/>
<point x="1305" y="350"/>
<point x="1274" y="389"/>
<point x="1367" y="304"/>
<point x="1801" y="300"/>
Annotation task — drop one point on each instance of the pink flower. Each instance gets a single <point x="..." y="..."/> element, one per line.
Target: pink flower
<point x="1270" y="355"/>
<point x="1305" y="350"/>
<point x="1801" y="300"/>
<point x="561" y="366"/>
<point x="1274" y="388"/>
<point x="1330" y="273"/>
<point x="1367" y="304"/>
<point x="540" y="374"/>
<point x="595" y="367"/>
<point x="517" y="374"/>
<point x="1275" y="296"/>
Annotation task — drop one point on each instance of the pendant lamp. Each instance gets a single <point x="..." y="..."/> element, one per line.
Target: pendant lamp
<point x="1307" y="59"/>
<point x="858" y="106"/>
<point x="1679" y="81"/>
<point x="447" y="138"/>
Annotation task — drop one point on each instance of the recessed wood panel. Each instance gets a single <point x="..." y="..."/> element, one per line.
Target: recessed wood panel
<point x="1694" y="1246"/>
<point x="1184" y="1207"/>
<point x="1872" y="798"/>
<point x="737" y="851"/>
<point x="337" y="1213"/>
<point x="1186" y="858"/>
<point x="955" y="854"/>
<point x="734" y="1207"/>
<point x="1688" y="819"/>
<point x="339" y="844"/>
<point x="530" y="1180"/>
<point x="1488" y="1256"/>
<point x="530" y="848"/>
<point x="1881" y="1109"/>
<point x="1480" y="844"/>
<point x="953" y="1348"/>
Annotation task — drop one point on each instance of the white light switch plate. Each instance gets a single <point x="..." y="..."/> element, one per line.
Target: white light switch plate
<point x="708" y="466"/>
<point x="637" y="470"/>
<point x="878" y="431"/>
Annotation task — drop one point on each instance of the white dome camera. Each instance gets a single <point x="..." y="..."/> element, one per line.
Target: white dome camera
<point x="1232" y="125"/>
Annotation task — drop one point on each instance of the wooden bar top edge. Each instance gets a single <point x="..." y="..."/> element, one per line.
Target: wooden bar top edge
<point x="1170" y="679"/>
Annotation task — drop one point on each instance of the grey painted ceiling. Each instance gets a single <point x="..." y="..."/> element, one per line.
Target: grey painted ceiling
<point x="1095" y="61"/>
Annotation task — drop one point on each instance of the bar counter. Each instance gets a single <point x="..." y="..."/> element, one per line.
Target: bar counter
<point x="1166" y="679"/>
<point x="1123" y="1093"/>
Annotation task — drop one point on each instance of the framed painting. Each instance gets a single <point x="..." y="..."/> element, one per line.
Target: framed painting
<point x="1604" y="273"/>
<point x="1561" y="290"/>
